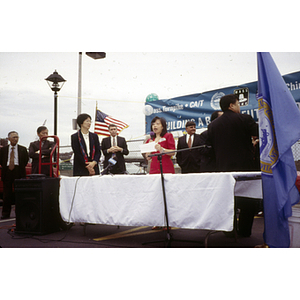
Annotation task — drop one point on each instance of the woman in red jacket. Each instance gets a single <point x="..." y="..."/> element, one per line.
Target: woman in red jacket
<point x="164" y="143"/>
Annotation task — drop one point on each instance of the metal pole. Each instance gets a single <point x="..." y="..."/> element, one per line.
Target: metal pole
<point x="79" y="84"/>
<point x="55" y="113"/>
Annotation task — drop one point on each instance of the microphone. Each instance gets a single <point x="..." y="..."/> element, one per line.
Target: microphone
<point x="111" y="162"/>
<point x="152" y="135"/>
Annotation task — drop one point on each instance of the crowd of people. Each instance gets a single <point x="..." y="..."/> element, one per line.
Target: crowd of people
<point x="229" y="144"/>
<point x="14" y="159"/>
<point x="86" y="148"/>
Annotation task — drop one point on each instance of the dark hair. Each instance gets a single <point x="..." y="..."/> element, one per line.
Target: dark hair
<point x="112" y="125"/>
<point x="11" y="133"/>
<point x="163" y="123"/>
<point x="41" y="128"/>
<point x="81" y="118"/>
<point x="190" y="123"/>
<point x="226" y="100"/>
<point x="214" y="115"/>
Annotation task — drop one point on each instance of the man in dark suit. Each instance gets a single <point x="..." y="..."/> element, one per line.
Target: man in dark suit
<point x="13" y="159"/>
<point x="207" y="157"/>
<point x="114" y="147"/>
<point x="231" y="138"/>
<point x="34" y="152"/>
<point x="189" y="160"/>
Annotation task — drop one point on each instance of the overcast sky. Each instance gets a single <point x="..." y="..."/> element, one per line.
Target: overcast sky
<point x="35" y="43"/>
<point x="119" y="84"/>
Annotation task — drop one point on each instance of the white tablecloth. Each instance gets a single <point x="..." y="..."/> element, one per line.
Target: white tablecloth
<point x="196" y="201"/>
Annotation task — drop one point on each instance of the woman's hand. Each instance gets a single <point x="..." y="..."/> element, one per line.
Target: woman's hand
<point x="159" y="148"/>
<point x="90" y="166"/>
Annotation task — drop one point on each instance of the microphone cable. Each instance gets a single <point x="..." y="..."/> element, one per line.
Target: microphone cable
<point x="74" y="193"/>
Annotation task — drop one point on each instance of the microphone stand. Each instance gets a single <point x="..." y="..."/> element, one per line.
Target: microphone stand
<point x="107" y="169"/>
<point x="109" y="166"/>
<point x="169" y="237"/>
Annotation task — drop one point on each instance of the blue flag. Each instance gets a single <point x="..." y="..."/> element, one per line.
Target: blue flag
<point x="279" y="125"/>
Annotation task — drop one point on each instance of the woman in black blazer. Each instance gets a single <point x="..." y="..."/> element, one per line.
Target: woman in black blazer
<point x="86" y="148"/>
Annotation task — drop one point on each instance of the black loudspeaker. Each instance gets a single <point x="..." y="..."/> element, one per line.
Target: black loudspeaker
<point x="37" y="206"/>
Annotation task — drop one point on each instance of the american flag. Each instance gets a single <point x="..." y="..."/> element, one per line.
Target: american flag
<point x="102" y="122"/>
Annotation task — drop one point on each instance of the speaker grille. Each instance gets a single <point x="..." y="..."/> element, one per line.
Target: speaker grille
<point x="29" y="215"/>
<point x="37" y="208"/>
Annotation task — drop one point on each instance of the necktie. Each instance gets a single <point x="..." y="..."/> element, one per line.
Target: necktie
<point x="114" y="144"/>
<point x="12" y="159"/>
<point x="190" y="141"/>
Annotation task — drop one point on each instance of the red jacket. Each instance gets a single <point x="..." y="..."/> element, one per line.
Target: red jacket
<point x="168" y="142"/>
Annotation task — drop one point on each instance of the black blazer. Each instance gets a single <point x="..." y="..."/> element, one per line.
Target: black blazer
<point x="79" y="166"/>
<point x="189" y="161"/>
<point x="46" y="150"/>
<point x="119" y="167"/>
<point x="23" y="160"/>
<point x="230" y="137"/>
<point x="207" y="156"/>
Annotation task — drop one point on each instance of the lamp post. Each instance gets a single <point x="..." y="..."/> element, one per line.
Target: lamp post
<point x="94" y="55"/>
<point x="55" y="79"/>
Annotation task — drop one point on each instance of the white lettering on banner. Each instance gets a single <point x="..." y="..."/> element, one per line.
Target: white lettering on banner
<point x="207" y="120"/>
<point x="200" y="122"/>
<point x="196" y="103"/>
<point x="293" y="86"/>
<point x="252" y="112"/>
<point x="172" y="108"/>
<point x="168" y="108"/>
<point x="173" y="125"/>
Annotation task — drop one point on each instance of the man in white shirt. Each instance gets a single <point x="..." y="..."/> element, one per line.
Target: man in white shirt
<point x="114" y="147"/>
<point x="189" y="160"/>
<point x="13" y="159"/>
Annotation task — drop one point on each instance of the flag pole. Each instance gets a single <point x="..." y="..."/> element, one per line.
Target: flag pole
<point x="95" y="115"/>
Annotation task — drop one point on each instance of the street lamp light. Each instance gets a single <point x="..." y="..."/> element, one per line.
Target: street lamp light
<point x="96" y="55"/>
<point x="55" y="78"/>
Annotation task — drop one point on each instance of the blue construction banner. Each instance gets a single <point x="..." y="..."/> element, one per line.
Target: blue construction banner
<point x="199" y="107"/>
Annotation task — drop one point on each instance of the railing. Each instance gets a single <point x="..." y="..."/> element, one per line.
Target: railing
<point x="50" y="163"/>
